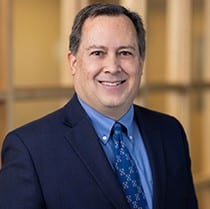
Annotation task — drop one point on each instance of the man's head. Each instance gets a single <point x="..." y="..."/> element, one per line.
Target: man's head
<point x="106" y="57"/>
<point x="99" y="9"/>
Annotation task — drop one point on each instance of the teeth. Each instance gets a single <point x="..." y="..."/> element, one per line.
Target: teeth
<point x="111" y="83"/>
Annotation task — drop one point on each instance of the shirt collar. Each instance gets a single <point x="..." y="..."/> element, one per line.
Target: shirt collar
<point x="103" y="124"/>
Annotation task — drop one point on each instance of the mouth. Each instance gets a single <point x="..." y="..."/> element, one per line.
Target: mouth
<point x="112" y="83"/>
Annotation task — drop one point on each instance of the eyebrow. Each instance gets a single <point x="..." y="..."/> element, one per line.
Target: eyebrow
<point x="95" y="47"/>
<point x="127" y="47"/>
<point x="103" y="47"/>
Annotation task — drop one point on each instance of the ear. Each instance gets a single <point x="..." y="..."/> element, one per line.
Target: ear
<point x="141" y="65"/>
<point x="72" y="60"/>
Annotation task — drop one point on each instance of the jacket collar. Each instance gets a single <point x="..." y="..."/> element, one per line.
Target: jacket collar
<point x="152" y="138"/>
<point x="87" y="147"/>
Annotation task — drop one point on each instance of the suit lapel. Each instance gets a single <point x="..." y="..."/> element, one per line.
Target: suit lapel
<point x="154" y="145"/>
<point x="87" y="147"/>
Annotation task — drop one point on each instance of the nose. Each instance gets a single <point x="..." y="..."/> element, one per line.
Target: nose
<point x="112" y="64"/>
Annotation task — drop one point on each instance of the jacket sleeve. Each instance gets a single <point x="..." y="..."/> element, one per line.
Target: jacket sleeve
<point x="19" y="183"/>
<point x="180" y="187"/>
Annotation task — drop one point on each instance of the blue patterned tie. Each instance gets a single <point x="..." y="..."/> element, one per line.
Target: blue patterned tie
<point x="126" y="171"/>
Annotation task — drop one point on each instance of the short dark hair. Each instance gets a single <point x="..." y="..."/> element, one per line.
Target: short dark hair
<point x="110" y="9"/>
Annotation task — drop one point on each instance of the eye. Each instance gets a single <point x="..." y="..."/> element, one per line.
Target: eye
<point x="97" y="53"/>
<point x="125" y="53"/>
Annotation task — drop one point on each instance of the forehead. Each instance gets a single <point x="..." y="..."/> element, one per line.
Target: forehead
<point x="116" y="19"/>
<point x="109" y="27"/>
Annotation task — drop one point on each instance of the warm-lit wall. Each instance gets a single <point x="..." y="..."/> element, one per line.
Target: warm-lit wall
<point x="36" y="54"/>
<point x="36" y="42"/>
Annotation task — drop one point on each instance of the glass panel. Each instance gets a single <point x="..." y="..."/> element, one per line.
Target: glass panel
<point x="196" y="130"/>
<point x="155" y="100"/>
<point x="4" y="42"/>
<point x="156" y="41"/>
<point x="36" y="42"/>
<point x="2" y="121"/>
<point x="197" y="40"/>
<point x="200" y="103"/>
<point x="28" y="110"/>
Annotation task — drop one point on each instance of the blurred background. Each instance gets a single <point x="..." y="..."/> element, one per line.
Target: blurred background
<point x="35" y="80"/>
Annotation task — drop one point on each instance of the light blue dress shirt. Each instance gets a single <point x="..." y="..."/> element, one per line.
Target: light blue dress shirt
<point x="134" y="142"/>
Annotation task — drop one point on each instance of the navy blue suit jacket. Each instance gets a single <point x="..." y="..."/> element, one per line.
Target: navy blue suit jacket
<point x="57" y="162"/>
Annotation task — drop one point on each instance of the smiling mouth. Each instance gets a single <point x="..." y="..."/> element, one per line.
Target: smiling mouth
<point x="112" y="84"/>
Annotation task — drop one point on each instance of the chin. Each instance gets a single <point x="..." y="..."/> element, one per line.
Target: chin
<point x="114" y="104"/>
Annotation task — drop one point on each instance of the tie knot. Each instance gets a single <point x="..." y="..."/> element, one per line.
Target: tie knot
<point x="117" y="128"/>
<point x="117" y="135"/>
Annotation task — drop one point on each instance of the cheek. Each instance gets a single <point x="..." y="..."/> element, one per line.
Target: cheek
<point x="136" y="72"/>
<point x="84" y="76"/>
<point x="89" y="72"/>
<point x="137" y="77"/>
<point x="139" y="70"/>
<point x="139" y="74"/>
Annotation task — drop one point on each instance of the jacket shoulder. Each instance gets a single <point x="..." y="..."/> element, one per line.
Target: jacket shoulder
<point x="156" y="118"/>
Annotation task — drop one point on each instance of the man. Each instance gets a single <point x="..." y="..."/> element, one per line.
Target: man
<point x="70" y="159"/>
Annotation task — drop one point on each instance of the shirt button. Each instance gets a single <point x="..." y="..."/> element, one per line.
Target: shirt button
<point x="104" y="138"/>
<point x="130" y="137"/>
